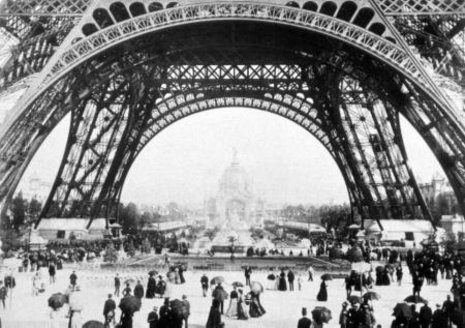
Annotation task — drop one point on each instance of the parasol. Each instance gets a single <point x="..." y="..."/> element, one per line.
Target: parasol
<point x="130" y="304"/>
<point x="153" y="273"/>
<point x="256" y="287"/>
<point x="326" y="276"/>
<point x="379" y="268"/>
<point x="179" y="309"/>
<point x="56" y="301"/>
<point x="129" y="281"/>
<point x="402" y="310"/>
<point x="217" y="280"/>
<point x="321" y="314"/>
<point x="93" y="324"/>
<point x="354" y="299"/>
<point x="238" y="284"/>
<point x="415" y="299"/>
<point x="371" y="296"/>
<point x="271" y="277"/>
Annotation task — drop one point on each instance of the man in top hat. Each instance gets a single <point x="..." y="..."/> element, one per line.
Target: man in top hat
<point x="152" y="319"/>
<point x="304" y="322"/>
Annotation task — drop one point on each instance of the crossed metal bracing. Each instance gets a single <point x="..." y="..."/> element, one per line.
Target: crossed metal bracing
<point x="35" y="22"/>
<point x="121" y="92"/>
<point x="150" y="97"/>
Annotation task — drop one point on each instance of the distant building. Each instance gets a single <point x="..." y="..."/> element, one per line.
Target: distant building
<point x="453" y="223"/>
<point x="36" y="188"/>
<point x="235" y="204"/>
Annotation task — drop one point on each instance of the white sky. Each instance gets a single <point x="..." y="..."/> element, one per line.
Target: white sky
<point x="184" y="162"/>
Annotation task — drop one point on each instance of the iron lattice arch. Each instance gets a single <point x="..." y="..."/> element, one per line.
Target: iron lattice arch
<point x="122" y="84"/>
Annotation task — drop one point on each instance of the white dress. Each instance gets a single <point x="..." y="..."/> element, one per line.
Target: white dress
<point x="232" y="310"/>
<point x="54" y="319"/>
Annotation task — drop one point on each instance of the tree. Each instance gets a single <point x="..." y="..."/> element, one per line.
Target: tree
<point x="19" y="208"/>
<point x="35" y="207"/>
<point x="129" y="217"/>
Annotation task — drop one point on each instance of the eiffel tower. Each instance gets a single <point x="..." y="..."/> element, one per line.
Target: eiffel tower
<point x="345" y="71"/>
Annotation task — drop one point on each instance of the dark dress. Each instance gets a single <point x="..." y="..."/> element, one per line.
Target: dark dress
<point x="256" y="309"/>
<point x="126" y="320"/>
<point x="165" y="317"/>
<point x="214" y="317"/>
<point x="161" y="287"/>
<point x="323" y="293"/>
<point x="241" y="313"/>
<point x="139" y="291"/>
<point x="282" y="285"/>
<point x="151" y="286"/>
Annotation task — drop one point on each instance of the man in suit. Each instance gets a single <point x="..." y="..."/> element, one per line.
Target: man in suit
<point x="117" y="285"/>
<point x="247" y="274"/>
<point x="152" y="319"/>
<point x="187" y="307"/>
<point x="108" y="307"/>
<point x="425" y="316"/>
<point x="204" y="283"/>
<point x="304" y="322"/>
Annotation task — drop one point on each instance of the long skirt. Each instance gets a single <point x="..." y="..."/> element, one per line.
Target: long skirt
<point x="271" y="284"/>
<point x="282" y="286"/>
<point x="322" y="295"/>
<point x="256" y="310"/>
<point x="232" y="310"/>
<point x="242" y="311"/>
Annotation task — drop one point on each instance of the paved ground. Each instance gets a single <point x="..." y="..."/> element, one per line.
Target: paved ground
<point x="283" y="308"/>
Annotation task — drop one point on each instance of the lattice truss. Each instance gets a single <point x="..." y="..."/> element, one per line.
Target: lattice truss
<point x="434" y="28"/>
<point x="116" y="111"/>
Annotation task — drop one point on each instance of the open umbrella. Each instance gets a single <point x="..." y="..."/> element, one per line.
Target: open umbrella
<point x="326" y="276"/>
<point x="256" y="287"/>
<point x="179" y="309"/>
<point x="321" y="314"/>
<point x="217" y="280"/>
<point x="379" y="268"/>
<point x="238" y="284"/>
<point x="56" y="301"/>
<point x="93" y="324"/>
<point x="415" y="299"/>
<point x="129" y="281"/>
<point x="402" y="310"/>
<point x="354" y="299"/>
<point x="153" y="273"/>
<point x="130" y="304"/>
<point x="371" y="296"/>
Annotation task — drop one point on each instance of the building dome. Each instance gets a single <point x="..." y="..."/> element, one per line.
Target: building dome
<point x="235" y="179"/>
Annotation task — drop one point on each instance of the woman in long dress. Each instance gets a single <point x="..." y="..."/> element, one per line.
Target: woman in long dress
<point x="232" y="309"/>
<point x="282" y="286"/>
<point x="241" y="307"/>
<point x="256" y="309"/>
<point x="214" y="317"/>
<point x="54" y="319"/>
<point x="323" y="293"/>
<point x="151" y="286"/>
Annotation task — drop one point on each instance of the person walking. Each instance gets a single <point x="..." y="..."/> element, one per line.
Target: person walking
<point x="152" y="318"/>
<point x="73" y="279"/>
<point x="3" y="294"/>
<point x="187" y="313"/>
<point x="448" y="309"/>
<point x="304" y="322"/>
<point x="299" y="281"/>
<point x="127" y="291"/>
<point x="343" y="316"/>
<point x="247" y="274"/>
<point x="139" y="290"/>
<point x="425" y="316"/>
<point x="290" y="279"/>
<point x="204" y="284"/>
<point x="322" y="295"/>
<point x="310" y="273"/>
<point x="52" y="272"/>
<point x="214" y="317"/>
<point x="220" y="295"/>
<point x="109" y="311"/>
<point x="399" y="274"/>
<point x="117" y="285"/>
